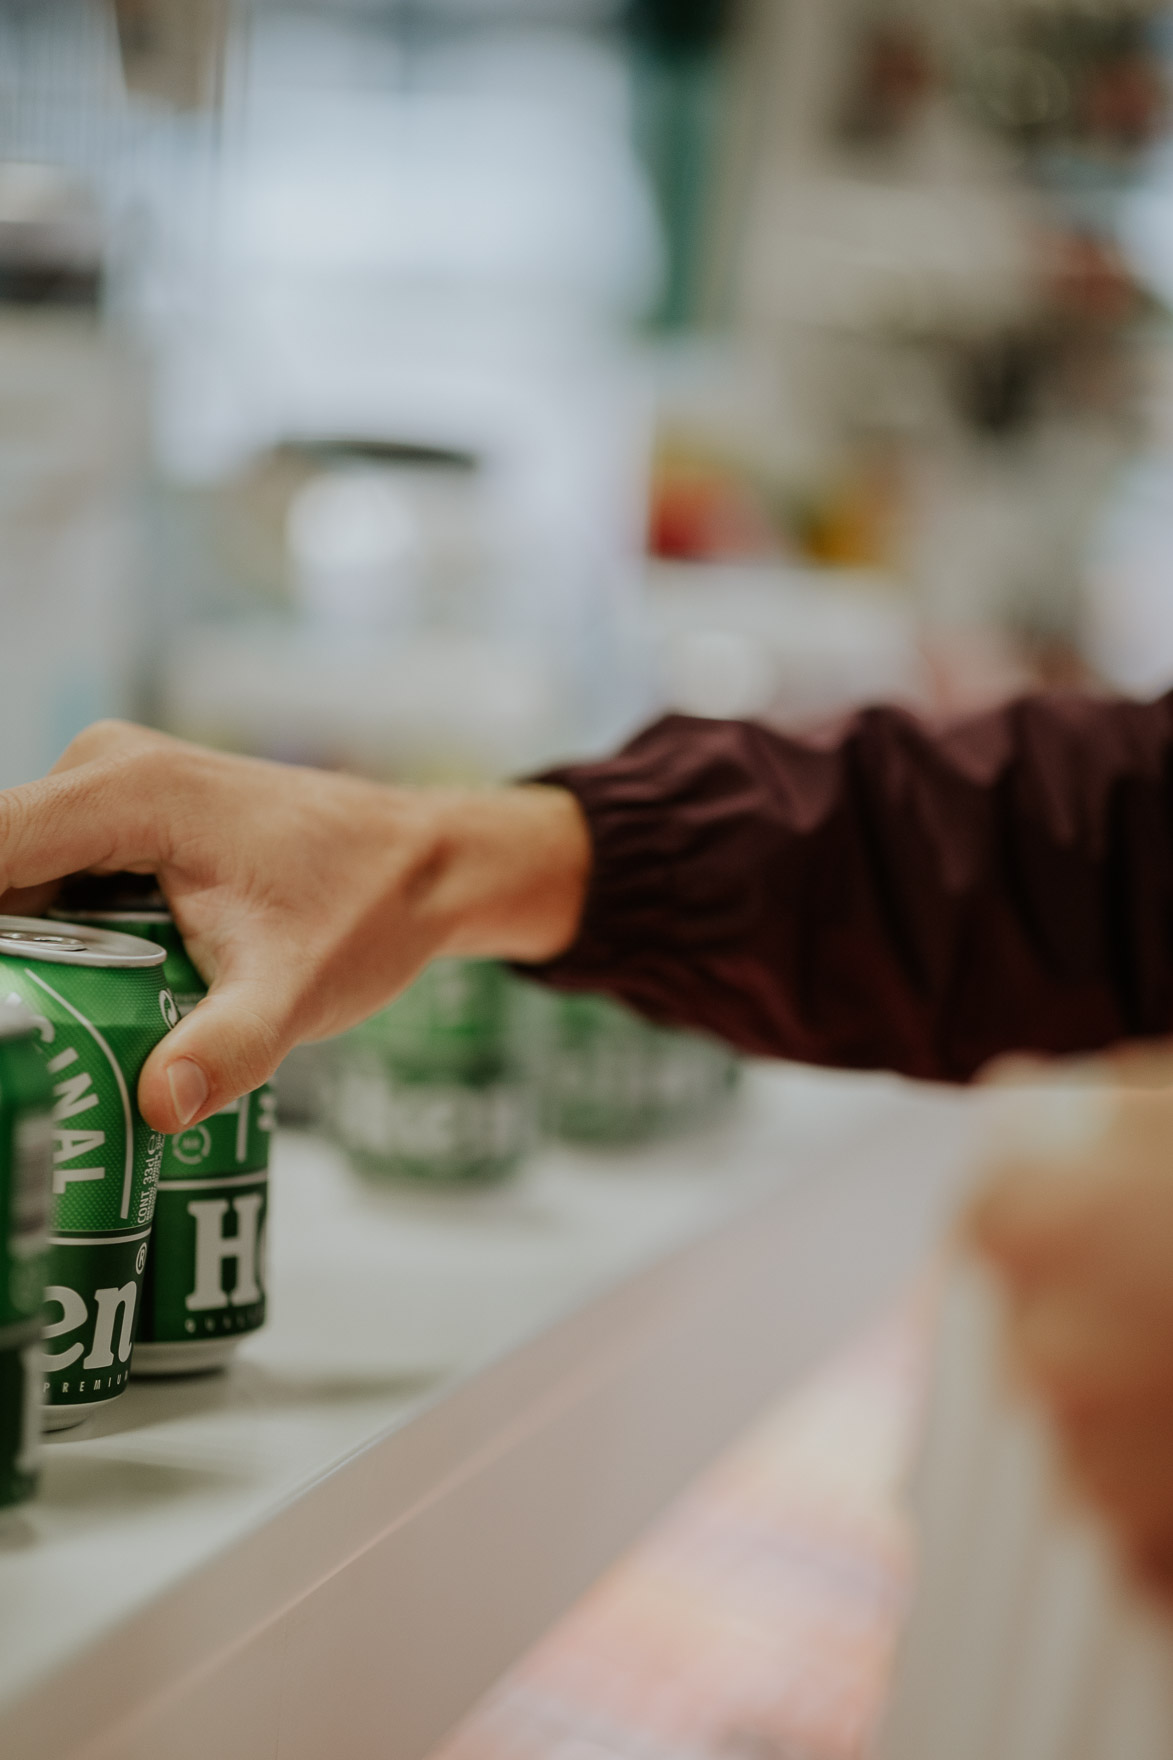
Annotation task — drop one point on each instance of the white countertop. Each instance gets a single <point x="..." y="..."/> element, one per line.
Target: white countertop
<point x="428" y="1351"/>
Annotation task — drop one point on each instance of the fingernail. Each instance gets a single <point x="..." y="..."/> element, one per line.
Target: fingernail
<point x="189" y="1088"/>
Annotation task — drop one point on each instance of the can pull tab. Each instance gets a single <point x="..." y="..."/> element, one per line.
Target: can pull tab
<point x="43" y="938"/>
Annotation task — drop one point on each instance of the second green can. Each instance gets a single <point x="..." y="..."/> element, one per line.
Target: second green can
<point x="204" y="1288"/>
<point x="609" y="1076"/>
<point x="433" y="1088"/>
<point x="101" y="1007"/>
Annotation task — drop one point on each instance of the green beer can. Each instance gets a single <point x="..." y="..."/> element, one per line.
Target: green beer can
<point x="26" y="1140"/>
<point x="101" y="1007"/>
<point x="434" y="1087"/>
<point x="204" y="1287"/>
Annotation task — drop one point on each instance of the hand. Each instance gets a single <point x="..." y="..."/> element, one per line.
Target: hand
<point x="1084" y="1240"/>
<point x="306" y="899"/>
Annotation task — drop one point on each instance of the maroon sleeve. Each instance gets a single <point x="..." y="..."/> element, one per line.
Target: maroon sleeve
<point x="891" y="896"/>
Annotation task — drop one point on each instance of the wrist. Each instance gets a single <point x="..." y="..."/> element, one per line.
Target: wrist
<point x="507" y="872"/>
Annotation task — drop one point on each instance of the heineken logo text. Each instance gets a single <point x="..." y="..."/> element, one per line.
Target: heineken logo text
<point x="113" y="1312"/>
<point x="215" y="1248"/>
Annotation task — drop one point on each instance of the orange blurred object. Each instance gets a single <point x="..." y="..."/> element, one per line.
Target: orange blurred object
<point x="857" y="523"/>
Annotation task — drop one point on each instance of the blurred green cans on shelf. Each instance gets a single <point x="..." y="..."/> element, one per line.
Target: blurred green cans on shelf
<point x="608" y="1076"/>
<point x="26" y="1140"/>
<point x="434" y="1088"/>
<point x="101" y="1007"/>
<point x="204" y="1288"/>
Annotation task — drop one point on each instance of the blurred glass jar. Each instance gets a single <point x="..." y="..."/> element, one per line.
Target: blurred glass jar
<point x="435" y="1087"/>
<point x="607" y="1076"/>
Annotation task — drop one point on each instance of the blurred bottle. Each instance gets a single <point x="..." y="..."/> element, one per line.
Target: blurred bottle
<point x="71" y="444"/>
<point x="172" y="52"/>
<point x="354" y="544"/>
<point x="434" y="1088"/>
<point x="682" y="107"/>
<point x="607" y="1076"/>
<point x="406" y="622"/>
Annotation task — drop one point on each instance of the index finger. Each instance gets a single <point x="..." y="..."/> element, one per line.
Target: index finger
<point x="103" y="814"/>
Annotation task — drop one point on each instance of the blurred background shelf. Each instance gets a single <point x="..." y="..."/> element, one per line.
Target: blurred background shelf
<point x="465" y="1409"/>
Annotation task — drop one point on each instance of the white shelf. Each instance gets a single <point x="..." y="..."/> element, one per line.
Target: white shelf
<point x="464" y="1409"/>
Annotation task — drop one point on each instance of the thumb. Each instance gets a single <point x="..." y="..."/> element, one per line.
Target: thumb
<point x="229" y="1044"/>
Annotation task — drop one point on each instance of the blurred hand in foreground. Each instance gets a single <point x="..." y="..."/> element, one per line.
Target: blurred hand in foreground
<point x="1084" y="1241"/>
<point x="306" y="899"/>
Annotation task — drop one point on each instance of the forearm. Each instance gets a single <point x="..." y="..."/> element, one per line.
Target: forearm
<point x="892" y="897"/>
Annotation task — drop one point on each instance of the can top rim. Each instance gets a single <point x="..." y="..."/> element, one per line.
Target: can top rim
<point x="150" y="915"/>
<point x="75" y="944"/>
<point x="15" y="1019"/>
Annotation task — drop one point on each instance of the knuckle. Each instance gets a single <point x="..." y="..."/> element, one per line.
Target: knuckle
<point x="112" y="727"/>
<point x="99" y="739"/>
<point x="144" y="770"/>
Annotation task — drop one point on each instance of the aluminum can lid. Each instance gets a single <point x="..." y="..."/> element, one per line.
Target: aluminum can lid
<point x="75" y="944"/>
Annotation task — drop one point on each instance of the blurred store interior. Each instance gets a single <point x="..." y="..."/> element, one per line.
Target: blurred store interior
<point x="437" y="389"/>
